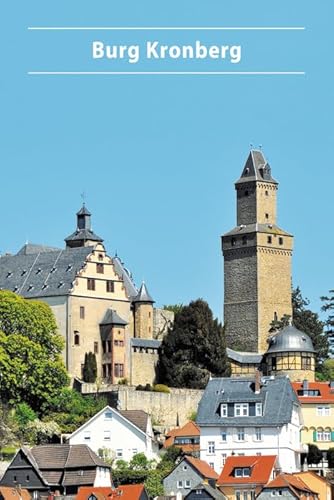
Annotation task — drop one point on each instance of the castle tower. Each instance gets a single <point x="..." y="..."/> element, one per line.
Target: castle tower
<point x="83" y="236"/>
<point x="143" y="314"/>
<point x="257" y="261"/>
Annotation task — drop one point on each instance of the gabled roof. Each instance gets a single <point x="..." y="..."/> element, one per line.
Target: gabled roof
<point x="11" y="493"/>
<point x="42" y="273"/>
<point x="212" y="492"/>
<point x="112" y="318"/>
<point x="244" y="357"/>
<point x="126" y="276"/>
<point x="276" y="395"/>
<point x="202" y="467"/>
<point x="261" y="468"/>
<point x="326" y="392"/>
<point x="290" y="481"/>
<point x="256" y="169"/>
<point x="62" y="456"/>
<point x="125" y="491"/>
<point x="190" y="429"/>
<point x="136" y="418"/>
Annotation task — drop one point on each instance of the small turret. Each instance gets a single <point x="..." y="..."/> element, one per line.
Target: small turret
<point x="83" y="236"/>
<point x="143" y="313"/>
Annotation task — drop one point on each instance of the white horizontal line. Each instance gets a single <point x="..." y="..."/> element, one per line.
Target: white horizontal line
<point x="166" y="73"/>
<point x="167" y="28"/>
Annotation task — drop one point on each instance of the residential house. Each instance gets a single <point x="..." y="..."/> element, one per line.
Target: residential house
<point x="118" y="434"/>
<point x="57" y="467"/>
<point x="243" y="477"/>
<point x="247" y="416"/>
<point x="317" y="403"/>
<point x="204" y="491"/>
<point x="287" y="486"/>
<point x="188" y="473"/>
<point x="126" y="491"/>
<point x="186" y="438"/>
<point x="317" y="483"/>
<point x="17" y="493"/>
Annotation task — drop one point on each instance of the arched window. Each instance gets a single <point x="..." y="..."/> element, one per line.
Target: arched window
<point x="76" y="338"/>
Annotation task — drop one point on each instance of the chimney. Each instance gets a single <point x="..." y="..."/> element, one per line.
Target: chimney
<point x="305" y="386"/>
<point x="258" y="375"/>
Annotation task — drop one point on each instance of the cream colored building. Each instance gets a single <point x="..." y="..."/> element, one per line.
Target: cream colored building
<point x="97" y="306"/>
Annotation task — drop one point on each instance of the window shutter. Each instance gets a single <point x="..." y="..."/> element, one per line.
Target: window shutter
<point x="332" y="436"/>
<point x="314" y="436"/>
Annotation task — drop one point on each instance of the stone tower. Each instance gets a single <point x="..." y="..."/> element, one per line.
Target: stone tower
<point x="143" y="314"/>
<point x="257" y="261"/>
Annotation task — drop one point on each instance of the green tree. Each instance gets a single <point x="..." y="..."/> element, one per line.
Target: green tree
<point x="154" y="483"/>
<point x="175" y="308"/>
<point x="90" y="368"/>
<point x="31" y="366"/>
<point x="329" y="308"/>
<point x="314" y="455"/>
<point x="193" y="349"/>
<point x="328" y="369"/>
<point x="308" y="322"/>
<point x="330" y="458"/>
<point x="24" y="414"/>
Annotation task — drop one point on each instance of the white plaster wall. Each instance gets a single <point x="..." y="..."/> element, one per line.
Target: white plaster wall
<point x="102" y="477"/>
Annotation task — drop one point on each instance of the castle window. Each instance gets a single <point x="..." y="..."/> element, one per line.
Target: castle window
<point x="96" y="347"/>
<point x="119" y="370"/>
<point x="244" y="240"/>
<point x="100" y="256"/>
<point x="76" y="338"/>
<point x="269" y="239"/>
<point x="233" y="242"/>
<point x="110" y="286"/>
<point x="82" y="312"/>
<point x="27" y="478"/>
<point x="273" y="364"/>
<point x="100" y="268"/>
<point x="106" y="370"/>
<point x="90" y="284"/>
<point x="280" y="240"/>
<point x="266" y="193"/>
<point x="267" y="216"/>
<point x="246" y="193"/>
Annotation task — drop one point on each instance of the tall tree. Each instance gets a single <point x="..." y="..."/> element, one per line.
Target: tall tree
<point x="329" y="308"/>
<point x="90" y="368"/>
<point x="193" y="349"/>
<point x="308" y="322"/>
<point x="31" y="366"/>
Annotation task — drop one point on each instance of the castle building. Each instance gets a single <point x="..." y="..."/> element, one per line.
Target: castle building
<point x="257" y="261"/>
<point x="97" y="305"/>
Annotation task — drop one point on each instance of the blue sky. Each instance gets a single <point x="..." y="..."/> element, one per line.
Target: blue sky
<point x="157" y="156"/>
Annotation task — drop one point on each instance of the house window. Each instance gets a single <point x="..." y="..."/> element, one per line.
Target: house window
<point x="258" y="434"/>
<point x="224" y="435"/>
<point x="212" y="465"/>
<point x="258" y="409"/>
<point x="185" y="467"/>
<point x="187" y="483"/>
<point x="86" y="435"/>
<point x="241" y="434"/>
<point x="280" y="240"/>
<point x="198" y="492"/>
<point x="82" y="312"/>
<point x="27" y="478"/>
<point x="110" y="287"/>
<point x="223" y="410"/>
<point x="266" y="193"/>
<point x="90" y="284"/>
<point x="119" y="343"/>
<point x="96" y="347"/>
<point x="108" y="415"/>
<point x="106" y="435"/>
<point x="269" y="239"/>
<point x="76" y="338"/>
<point x="323" y="436"/>
<point x="100" y="268"/>
<point x="134" y="451"/>
<point x="14" y="479"/>
<point x="241" y="410"/>
<point x="119" y="370"/>
<point x="119" y="453"/>
<point x="106" y="346"/>
<point x="223" y="459"/>
<point x="211" y="447"/>
<point x="106" y="370"/>
<point x="323" y="411"/>
<point x="179" y="484"/>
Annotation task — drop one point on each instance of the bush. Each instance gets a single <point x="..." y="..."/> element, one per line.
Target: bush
<point x="314" y="455"/>
<point x="123" y="381"/>
<point x="330" y="458"/>
<point x="161" y="388"/>
<point x="146" y="387"/>
<point x="24" y="414"/>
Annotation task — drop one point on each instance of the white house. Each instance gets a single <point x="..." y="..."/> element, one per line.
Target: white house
<point x="119" y="434"/>
<point x="243" y="416"/>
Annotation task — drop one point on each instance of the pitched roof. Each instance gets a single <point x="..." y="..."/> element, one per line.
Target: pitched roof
<point x="289" y="480"/>
<point x="11" y="493"/>
<point x="258" y="228"/>
<point x="126" y="276"/>
<point x="190" y="429"/>
<point x="150" y="343"/>
<point x="244" y="357"/>
<point x="260" y="469"/>
<point x="212" y="492"/>
<point x="42" y="273"/>
<point x="276" y="395"/>
<point x="306" y="394"/>
<point x="202" y="467"/>
<point x="61" y="456"/>
<point x="143" y="295"/>
<point x="256" y="169"/>
<point x="112" y="318"/>
<point x="126" y="491"/>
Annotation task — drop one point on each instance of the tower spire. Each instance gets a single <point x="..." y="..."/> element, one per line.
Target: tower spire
<point x="83" y="236"/>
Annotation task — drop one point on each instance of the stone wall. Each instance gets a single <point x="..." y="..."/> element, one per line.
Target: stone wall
<point x="165" y="409"/>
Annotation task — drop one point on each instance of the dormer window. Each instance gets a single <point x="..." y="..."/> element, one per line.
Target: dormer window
<point x="39" y="270"/>
<point x="9" y="274"/>
<point x="30" y="287"/>
<point x="258" y="409"/>
<point x="241" y="409"/>
<point x="223" y="410"/>
<point x="53" y="270"/>
<point x="69" y="267"/>
<point x="242" y="472"/>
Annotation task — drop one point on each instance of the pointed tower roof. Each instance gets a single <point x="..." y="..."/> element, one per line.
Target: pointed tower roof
<point x="256" y="169"/>
<point x="143" y="295"/>
<point x="83" y="234"/>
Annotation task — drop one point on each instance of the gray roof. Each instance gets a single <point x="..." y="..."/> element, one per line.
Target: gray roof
<point x="126" y="275"/>
<point x="63" y="456"/>
<point x="138" y="417"/>
<point x="244" y="357"/>
<point x="212" y="492"/>
<point x="30" y="248"/>
<point x="143" y="295"/>
<point x="256" y="169"/>
<point x="258" y="228"/>
<point x="36" y="272"/>
<point x="150" y="343"/>
<point x="112" y="318"/>
<point x="276" y="395"/>
<point x="290" y="339"/>
<point x="83" y="231"/>
<point x="83" y="235"/>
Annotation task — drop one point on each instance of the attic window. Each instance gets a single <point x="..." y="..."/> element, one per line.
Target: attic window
<point x="100" y="256"/>
<point x="39" y="270"/>
<point x="242" y="472"/>
<point x="44" y="286"/>
<point x="23" y="272"/>
<point x="30" y="287"/>
<point x="9" y="274"/>
<point x="69" y="267"/>
<point x="60" y="284"/>
<point x="53" y="270"/>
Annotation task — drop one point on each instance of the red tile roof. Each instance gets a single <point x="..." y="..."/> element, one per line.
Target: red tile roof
<point x="202" y="467"/>
<point x="12" y="493"/>
<point x="326" y="396"/>
<point x="125" y="491"/>
<point x="261" y="469"/>
<point x="190" y="429"/>
<point x="289" y="480"/>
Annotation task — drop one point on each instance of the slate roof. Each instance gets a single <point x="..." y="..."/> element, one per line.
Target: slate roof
<point x="290" y="339"/>
<point x="256" y="227"/>
<point x="83" y="235"/>
<point x="256" y="169"/>
<point x="244" y="357"/>
<point x="126" y="275"/>
<point x="261" y="468"/>
<point x="276" y="395"/>
<point x="143" y="295"/>
<point x="112" y="318"/>
<point x="149" y="343"/>
<point x="34" y="272"/>
<point x="212" y="492"/>
<point x="138" y="417"/>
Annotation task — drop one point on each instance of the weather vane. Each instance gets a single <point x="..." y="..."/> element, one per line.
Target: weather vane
<point x="83" y="197"/>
